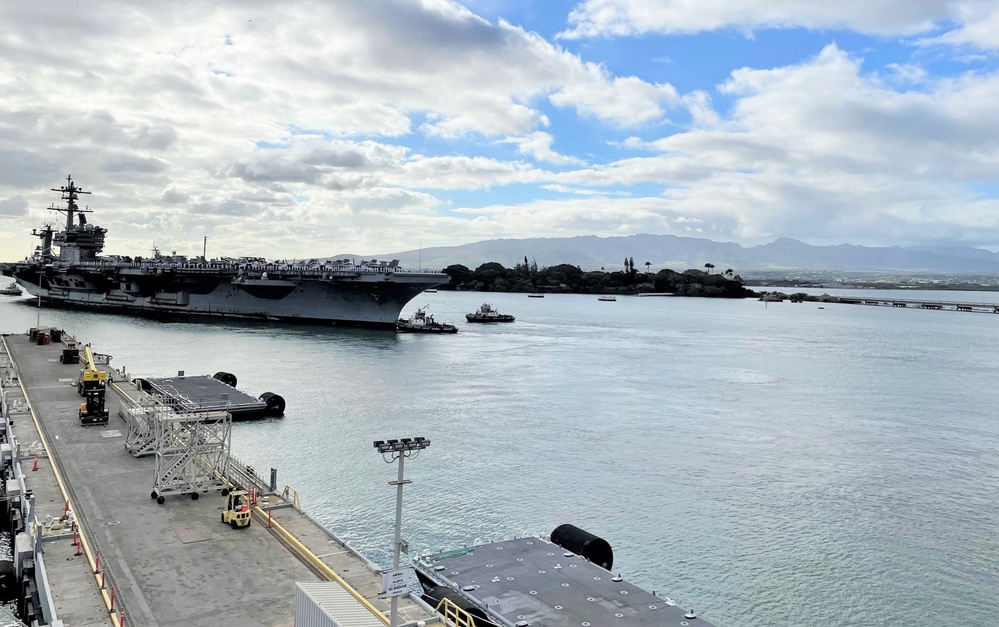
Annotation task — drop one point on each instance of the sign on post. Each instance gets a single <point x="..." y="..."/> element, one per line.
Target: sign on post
<point x="396" y="582"/>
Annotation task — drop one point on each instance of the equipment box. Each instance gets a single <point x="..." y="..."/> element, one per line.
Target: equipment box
<point x="70" y="356"/>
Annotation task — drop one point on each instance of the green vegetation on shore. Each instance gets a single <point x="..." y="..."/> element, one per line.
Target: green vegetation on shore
<point x="798" y="297"/>
<point x="568" y="279"/>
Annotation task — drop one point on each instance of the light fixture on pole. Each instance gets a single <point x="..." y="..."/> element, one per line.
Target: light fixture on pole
<point x="392" y="450"/>
<point x="38" y="311"/>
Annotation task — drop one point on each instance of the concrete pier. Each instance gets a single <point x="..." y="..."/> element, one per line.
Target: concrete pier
<point x="922" y="304"/>
<point x="172" y="564"/>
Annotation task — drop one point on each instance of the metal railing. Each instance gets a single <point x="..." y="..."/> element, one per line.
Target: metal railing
<point x="242" y="474"/>
<point x="109" y="589"/>
<point x="290" y="495"/>
<point x="454" y="614"/>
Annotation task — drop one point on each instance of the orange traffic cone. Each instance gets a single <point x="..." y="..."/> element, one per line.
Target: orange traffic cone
<point x="34" y="466"/>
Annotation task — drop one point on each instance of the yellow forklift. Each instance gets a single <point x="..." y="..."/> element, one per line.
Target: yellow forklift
<point x="93" y="410"/>
<point x="237" y="509"/>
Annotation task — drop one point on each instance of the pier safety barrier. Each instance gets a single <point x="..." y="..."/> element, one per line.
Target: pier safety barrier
<point x="288" y="498"/>
<point x="317" y="563"/>
<point x="109" y="588"/>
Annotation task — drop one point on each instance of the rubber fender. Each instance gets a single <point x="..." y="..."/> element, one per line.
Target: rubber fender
<point x="226" y="377"/>
<point x="275" y="403"/>
<point x="584" y="543"/>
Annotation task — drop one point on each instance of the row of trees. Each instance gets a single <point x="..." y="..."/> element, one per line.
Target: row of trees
<point x="569" y="279"/>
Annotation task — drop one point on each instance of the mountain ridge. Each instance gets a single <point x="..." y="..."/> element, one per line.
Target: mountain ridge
<point x="591" y="252"/>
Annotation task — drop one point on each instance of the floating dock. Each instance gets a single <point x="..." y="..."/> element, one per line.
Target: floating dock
<point x="203" y="394"/>
<point x="534" y="582"/>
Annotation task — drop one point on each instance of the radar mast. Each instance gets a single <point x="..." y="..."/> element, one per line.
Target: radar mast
<point x="70" y="192"/>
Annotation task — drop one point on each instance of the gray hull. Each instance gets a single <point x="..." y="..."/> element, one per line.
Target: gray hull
<point x="372" y="299"/>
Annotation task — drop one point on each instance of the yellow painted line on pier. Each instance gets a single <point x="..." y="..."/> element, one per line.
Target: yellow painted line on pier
<point x="115" y="620"/>
<point x="318" y="563"/>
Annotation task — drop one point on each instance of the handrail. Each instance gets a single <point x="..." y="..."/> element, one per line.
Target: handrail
<point x="290" y="494"/>
<point x="453" y="613"/>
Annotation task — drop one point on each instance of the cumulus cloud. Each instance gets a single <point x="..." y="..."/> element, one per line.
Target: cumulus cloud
<point x="624" y="101"/>
<point x="464" y="173"/>
<point x="607" y="18"/>
<point x="539" y="145"/>
<point x="606" y="214"/>
<point x="581" y="191"/>
<point x="305" y="129"/>
<point x="979" y="27"/>
<point x="820" y="150"/>
<point x="192" y="106"/>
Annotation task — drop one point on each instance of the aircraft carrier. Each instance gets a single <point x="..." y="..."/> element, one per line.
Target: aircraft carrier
<point x="340" y="292"/>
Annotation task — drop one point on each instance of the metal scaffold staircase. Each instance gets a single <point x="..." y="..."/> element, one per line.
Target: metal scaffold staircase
<point x="140" y="436"/>
<point x="191" y="446"/>
<point x="192" y="452"/>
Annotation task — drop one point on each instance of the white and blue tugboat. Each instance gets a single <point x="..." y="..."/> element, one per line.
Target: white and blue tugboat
<point x="486" y="313"/>
<point x="421" y="322"/>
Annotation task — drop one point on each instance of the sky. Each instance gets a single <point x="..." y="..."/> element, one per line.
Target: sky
<point x="305" y="129"/>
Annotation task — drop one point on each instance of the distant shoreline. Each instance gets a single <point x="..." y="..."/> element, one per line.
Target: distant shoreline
<point x="957" y="287"/>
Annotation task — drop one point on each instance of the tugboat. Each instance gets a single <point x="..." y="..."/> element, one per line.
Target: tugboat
<point x="420" y="322"/>
<point x="11" y="290"/>
<point x="486" y="313"/>
<point x="607" y="298"/>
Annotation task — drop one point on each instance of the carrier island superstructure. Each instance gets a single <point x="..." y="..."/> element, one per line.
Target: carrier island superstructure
<point x="339" y="292"/>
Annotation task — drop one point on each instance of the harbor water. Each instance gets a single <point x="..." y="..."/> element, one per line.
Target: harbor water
<point x="767" y="464"/>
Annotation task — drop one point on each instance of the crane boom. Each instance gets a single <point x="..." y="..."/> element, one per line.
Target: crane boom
<point x="91" y="377"/>
<point x="88" y="358"/>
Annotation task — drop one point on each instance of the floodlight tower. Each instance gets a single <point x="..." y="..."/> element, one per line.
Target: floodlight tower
<point x="392" y="450"/>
